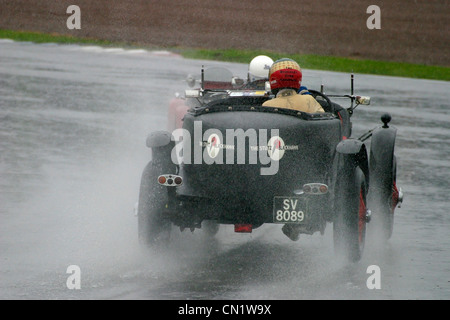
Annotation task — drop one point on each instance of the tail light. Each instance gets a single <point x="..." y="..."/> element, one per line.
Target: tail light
<point x="162" y="179"/>
<point x="170" y="180"/>
<point x="315" y="188"/>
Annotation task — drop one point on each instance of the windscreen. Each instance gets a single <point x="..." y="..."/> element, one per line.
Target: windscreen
<point x="217" y="78"/>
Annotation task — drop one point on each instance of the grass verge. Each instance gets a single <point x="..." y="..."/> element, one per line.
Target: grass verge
<point x="38" y="37"/>
<point x="329" y="63"/>
<point x="307" y="61"/>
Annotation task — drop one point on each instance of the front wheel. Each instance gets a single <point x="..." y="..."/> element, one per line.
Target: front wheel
<point x="383" y="199"/>
<point x="349" y="227"/>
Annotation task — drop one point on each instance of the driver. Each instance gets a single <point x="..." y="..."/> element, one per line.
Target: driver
<point x="285" y="78"/>
<point x="258" y="73"/>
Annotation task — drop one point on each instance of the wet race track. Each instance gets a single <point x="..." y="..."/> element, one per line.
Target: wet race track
<point x="73" y="124"/>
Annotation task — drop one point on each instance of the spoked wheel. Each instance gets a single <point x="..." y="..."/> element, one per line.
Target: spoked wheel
<point x="349" y="227"/>
<point x="153" y="225"/>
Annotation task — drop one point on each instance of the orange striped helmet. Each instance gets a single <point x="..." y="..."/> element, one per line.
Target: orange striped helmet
<point x="285" y="73"/>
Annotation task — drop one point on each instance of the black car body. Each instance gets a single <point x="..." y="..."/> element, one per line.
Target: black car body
<point x="234" y="161"/>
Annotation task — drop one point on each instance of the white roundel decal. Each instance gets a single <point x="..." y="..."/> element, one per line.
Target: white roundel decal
<point x="213" y="146"/>
<point x="275" y="148"/>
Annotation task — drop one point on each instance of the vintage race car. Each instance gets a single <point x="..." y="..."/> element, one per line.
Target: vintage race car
<point x="226" y="159"/>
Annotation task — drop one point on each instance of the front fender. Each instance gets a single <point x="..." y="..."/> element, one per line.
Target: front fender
<point x="382" y="147"/>
<point x="382" y="159"/>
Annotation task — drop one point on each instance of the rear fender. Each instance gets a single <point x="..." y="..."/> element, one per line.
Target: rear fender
<point x="161" y="144"/>
<point x="357" y="152"/>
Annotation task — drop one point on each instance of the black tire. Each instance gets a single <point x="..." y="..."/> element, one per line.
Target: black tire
<point x="381" y="202"/>
<point x="391" y="204"/>
<point x="153" y="225"/>
<point x="349" y="227"/>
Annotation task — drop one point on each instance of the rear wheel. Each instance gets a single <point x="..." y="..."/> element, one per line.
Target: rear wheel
<point x="349" y="227"/>
<point x="153" y="225"/>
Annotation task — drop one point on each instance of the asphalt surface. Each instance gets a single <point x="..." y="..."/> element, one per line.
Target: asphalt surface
<point x="73" y="123"/>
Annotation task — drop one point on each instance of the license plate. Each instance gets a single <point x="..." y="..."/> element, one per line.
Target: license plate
<point x="289" y="210"/>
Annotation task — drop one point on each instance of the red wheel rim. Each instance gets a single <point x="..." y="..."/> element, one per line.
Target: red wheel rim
<point x="362" y="217"/>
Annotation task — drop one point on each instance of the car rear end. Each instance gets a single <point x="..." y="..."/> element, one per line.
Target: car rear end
<point x="249" y="166"/>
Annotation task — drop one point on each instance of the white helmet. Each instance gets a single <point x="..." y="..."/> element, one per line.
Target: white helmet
<point x="259" y="68"/>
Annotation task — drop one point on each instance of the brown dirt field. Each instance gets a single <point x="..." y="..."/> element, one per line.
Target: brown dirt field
<point x="413" y="31"/>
